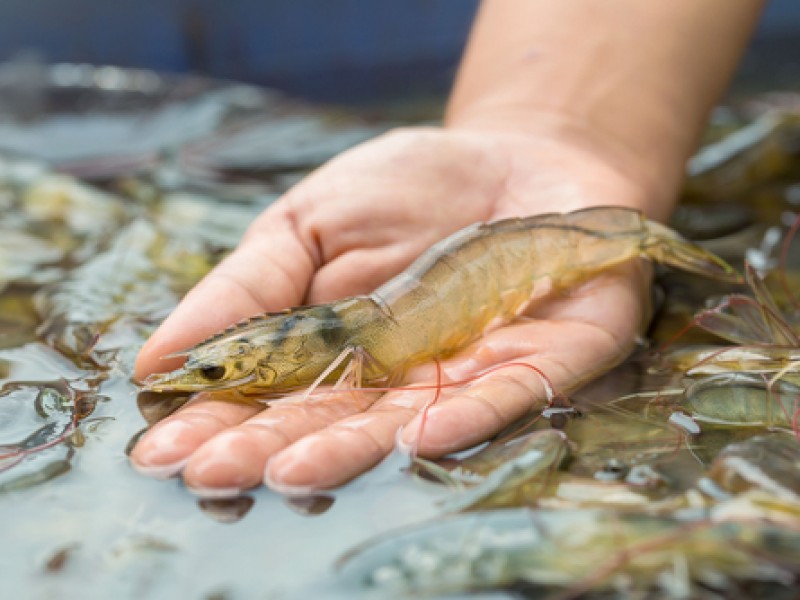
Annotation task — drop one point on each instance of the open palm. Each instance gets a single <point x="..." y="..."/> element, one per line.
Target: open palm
<point x="350" y="226"/>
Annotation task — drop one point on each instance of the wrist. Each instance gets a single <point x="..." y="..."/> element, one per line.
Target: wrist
<point x="625" y="81"/>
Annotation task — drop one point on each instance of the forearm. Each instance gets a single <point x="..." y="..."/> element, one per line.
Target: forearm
<point x="632" y="79"/>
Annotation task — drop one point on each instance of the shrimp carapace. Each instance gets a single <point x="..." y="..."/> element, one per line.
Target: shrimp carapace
<point x="477" y="279"/>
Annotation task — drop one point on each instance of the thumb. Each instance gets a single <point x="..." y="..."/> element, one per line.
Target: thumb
<point x="270" y="269"/>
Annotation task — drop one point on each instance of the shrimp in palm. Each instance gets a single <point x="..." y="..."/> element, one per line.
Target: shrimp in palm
<point x="476" y="280"/>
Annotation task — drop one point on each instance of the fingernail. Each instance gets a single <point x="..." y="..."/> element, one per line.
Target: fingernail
<point x="404" y="445"/>
<point x="274" y="477"/>
<point x="164" y="471"/>
<point x="215" y="493"/>
<point x="158" y="453"/>
<point x="286" y="489"/>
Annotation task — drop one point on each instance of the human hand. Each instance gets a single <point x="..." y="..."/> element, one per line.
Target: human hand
<point x="350" y="226"/>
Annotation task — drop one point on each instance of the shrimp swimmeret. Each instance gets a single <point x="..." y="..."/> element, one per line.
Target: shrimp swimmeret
<point x="478" y="278"/>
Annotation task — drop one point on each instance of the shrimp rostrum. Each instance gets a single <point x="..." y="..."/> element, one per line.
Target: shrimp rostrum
<point x="475" y="280"/>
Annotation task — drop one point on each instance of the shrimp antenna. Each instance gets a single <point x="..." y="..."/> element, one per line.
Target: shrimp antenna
<point x="784" y="258"/>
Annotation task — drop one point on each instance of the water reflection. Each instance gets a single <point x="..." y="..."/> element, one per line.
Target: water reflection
<point x="226" y="510"/>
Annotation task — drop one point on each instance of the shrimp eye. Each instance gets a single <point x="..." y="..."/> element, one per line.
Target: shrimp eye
<point x="213" y="372"/>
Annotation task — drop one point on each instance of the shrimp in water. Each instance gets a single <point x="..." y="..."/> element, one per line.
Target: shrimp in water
<point x="479" y="278"/>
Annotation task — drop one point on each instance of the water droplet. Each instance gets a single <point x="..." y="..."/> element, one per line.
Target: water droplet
<point x="613" y="470"/>
<point x="684" y="422"/>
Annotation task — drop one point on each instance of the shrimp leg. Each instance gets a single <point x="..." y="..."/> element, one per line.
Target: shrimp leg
<point x="352" y="371"/>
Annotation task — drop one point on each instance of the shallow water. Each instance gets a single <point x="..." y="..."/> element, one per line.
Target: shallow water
<point x="102" y="264"/>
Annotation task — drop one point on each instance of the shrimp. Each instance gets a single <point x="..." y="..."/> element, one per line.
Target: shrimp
<point x="473" y="281"/>
<point x="505" y="473"/>
<point x="739" y="399"/>
<point x="577" y="551"/>
<point x="766" y="462"/>
<point x="755" y="153"/>
<point x="766" y="339"/>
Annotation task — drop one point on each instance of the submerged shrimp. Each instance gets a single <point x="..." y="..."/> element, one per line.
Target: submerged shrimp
<point x="581" y="552"/>
<point x="766" y="341"/>
<point x="477" y="279"/>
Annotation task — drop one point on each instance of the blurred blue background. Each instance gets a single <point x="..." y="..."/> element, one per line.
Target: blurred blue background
<point x="331" y="50"/>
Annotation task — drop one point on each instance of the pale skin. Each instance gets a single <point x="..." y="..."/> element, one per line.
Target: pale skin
<point x="558" y="105"/>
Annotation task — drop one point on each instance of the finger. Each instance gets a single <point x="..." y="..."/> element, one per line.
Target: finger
<point x="483" y="408"/>
<point x="480" y="411"/>
<point x="269" y="270"/>
<point x="349" y="447"/>
<point x="234" y="459"/>
<point x="164" y="450"/>
<point x="346" y="448"/>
